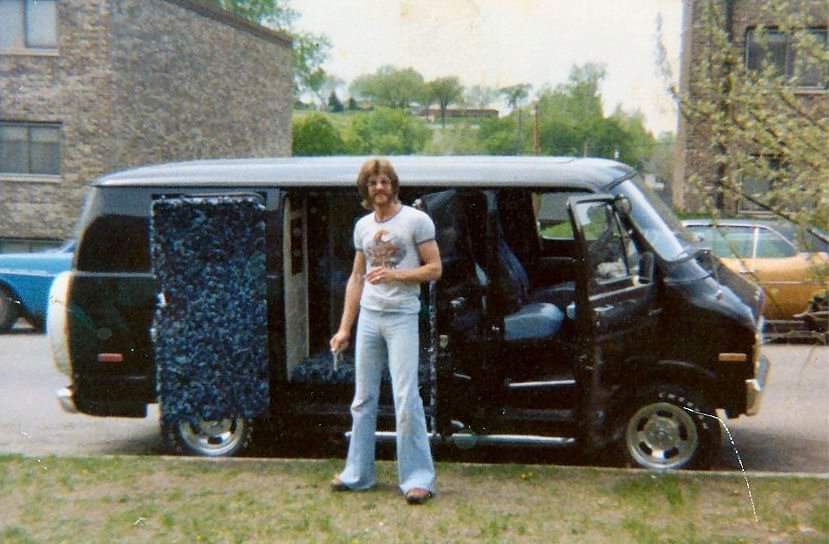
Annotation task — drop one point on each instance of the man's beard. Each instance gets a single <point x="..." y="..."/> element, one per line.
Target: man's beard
<point x="388" y="196"/>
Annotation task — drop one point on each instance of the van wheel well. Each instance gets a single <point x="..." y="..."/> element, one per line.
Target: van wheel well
<point x="645" y="376"/>
<point x="679" y="373"/>
<point x="667" y="426"/>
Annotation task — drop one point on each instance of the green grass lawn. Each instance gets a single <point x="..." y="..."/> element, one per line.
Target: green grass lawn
<point x="151" y="499"/>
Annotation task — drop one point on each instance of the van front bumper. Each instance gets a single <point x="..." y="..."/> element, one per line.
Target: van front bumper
<point x="756" y="386"/>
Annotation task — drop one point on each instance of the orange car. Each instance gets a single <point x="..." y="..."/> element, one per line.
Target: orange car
<point x="790" y="279"/>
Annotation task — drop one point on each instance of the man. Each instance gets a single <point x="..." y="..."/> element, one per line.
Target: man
<point x="395" y="252"/>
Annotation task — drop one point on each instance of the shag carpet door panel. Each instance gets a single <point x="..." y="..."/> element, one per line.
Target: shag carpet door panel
<point x="210" y="326"/>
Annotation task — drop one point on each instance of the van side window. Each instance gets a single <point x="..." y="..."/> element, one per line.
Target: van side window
<point x="115" y="243"/>
<point x="551" y="216"/>
<point x="610" y="250"/>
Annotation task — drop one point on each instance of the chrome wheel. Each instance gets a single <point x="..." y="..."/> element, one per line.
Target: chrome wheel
<point x="662" y="435"/>
<point x="214" y="438"/>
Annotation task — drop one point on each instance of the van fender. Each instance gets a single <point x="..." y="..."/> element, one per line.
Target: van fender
<point x="642" y="373"/>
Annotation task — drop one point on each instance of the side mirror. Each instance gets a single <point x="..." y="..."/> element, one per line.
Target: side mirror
<point x="622" y="204"/>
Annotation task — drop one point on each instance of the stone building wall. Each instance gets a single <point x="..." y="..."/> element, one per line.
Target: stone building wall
<point x="188" y="85"/>
<point x="69" y="86"/>
<point x="695" y="150"/>
<point x="135" y="82"/>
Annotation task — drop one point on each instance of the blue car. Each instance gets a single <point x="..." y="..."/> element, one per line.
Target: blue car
<point x="25" y="279"/>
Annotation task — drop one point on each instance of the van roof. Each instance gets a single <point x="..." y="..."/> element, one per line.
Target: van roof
<point x="413" y="170"/>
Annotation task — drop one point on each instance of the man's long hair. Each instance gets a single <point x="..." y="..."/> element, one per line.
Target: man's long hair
<point x="372" y="167"/>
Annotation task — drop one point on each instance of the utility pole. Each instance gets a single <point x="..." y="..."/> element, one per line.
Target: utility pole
<point x="536" y="146"/>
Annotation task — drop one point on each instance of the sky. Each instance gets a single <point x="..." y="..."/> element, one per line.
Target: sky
<point x="505" y="42"/>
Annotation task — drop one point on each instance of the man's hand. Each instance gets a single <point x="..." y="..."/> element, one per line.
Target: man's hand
<point x="339" y="342"/>
<point x="381" y="275"/>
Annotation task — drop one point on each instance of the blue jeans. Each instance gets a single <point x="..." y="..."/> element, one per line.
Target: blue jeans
<point x="388" y="337"/>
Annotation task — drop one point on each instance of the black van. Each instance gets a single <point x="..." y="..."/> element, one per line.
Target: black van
<point x="573" y="309"/>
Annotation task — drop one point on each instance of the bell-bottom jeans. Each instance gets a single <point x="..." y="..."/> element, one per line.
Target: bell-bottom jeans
<point x="388" y="337"/>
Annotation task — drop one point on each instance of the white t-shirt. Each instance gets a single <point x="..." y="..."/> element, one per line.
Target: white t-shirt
<point x="393" y="244"/>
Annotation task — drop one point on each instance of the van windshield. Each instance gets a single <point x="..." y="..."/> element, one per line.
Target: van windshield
<point x="655" y="220"/>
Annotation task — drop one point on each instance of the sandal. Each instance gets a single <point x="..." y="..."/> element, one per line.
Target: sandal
<point x="418" y="495"/>
<point x="337" y="485"/>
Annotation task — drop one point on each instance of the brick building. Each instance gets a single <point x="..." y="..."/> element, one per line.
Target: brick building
<point x="93" y="86"/>
<point x="434" y="114"/>
<point x="756" y="38"/>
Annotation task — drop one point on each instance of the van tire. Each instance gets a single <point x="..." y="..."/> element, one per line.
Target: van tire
<point x="9" y="311"/>
<point x="668" y="427"/>
<point x="223" y="438"/>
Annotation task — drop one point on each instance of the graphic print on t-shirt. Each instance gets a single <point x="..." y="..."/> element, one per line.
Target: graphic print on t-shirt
<point x="385" y="250"/>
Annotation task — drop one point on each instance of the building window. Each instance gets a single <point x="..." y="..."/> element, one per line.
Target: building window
<point x="758" y="182"/>
<point x="778" y="49"/>
<point x="28" y="24"/>
<point x="28" y="148"/>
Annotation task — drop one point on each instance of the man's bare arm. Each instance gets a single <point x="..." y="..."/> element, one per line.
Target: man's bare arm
<point x="353" y="292"/>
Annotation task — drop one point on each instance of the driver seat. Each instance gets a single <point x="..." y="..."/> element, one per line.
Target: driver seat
<point x="524" y="320"/>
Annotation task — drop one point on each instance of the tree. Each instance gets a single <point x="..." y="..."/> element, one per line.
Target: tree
<point x="310" y="50"/>
<point x="321" y="84"/>
<point x="579" y="99"/>
<point x="480" y="96"/>
<point x="498" y="136"/>
<point x="445" y="91"/>
<point x="334" y="102"/>
<point x="515" y="95"/>
<point x="315" y="135"/>
<point x="386" y="131"/>
<point x="572" y="121"/>
<point x="639" y="142"/>
<point x="460" y="139"/>
<point x="391" y="87"/>
<point x="661" y="161"/>
<point x="276" y="14"/>
<point x="769" y="144"/>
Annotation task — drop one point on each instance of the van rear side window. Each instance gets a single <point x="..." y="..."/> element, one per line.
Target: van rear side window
<point x="115" y="243"/>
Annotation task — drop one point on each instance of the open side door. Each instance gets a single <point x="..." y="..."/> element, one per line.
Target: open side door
<point x="208" y="253"/>
<point x="455" y="305"/>
<point x="614" y="296"/>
